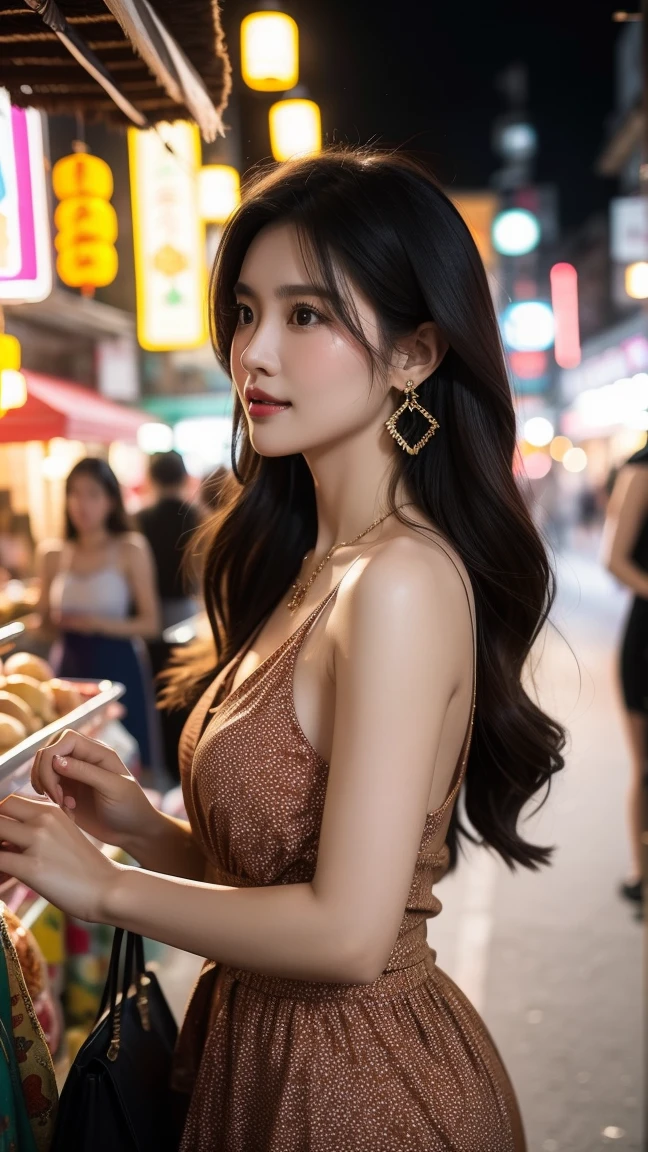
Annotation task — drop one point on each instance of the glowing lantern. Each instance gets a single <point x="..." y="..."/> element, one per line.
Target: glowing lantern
<point x="13" y="386"/>
<point x="82" y="175"/>
<point x="636" y="280"/>
<point x="219" y="192"/>
<point x="87" y="265"/>
<point x="269" y="51"/>
<point x="86" y="222"/>
<point x="295" y="129"/>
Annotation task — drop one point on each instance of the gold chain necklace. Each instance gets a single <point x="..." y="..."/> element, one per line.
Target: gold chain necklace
<point x="299" y="589"/>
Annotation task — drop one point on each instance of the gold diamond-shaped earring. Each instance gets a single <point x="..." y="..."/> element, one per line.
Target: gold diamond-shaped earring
<point x="409" y="404"/>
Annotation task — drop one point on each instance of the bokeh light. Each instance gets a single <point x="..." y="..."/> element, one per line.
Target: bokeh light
<point x="575" y="460"/>
<point x="538" y="431"/>
<point x="559" y="445"/>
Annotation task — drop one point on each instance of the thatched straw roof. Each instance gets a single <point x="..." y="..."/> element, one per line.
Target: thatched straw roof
<point x="39" y="71"/>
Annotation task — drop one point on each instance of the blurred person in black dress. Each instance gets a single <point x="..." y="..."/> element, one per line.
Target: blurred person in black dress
<point x="169" y="525"/>
<point x="625" y="552"/>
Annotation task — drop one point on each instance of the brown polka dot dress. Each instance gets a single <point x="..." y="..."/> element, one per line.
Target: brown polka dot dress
<point x="404" y="1064"/>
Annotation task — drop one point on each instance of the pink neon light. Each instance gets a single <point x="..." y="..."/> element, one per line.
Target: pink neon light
<point x="564" y="302"/>
<point x="28" y="270"/>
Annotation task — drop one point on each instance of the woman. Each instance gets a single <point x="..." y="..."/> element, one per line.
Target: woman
<point x="98" y="588"/>
<point x="626" y="557"/>
<point x="350" y="580"/>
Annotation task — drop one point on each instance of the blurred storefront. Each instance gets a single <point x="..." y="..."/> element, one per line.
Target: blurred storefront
<point x="604" y="399"/>
<point x="39" y="442"/>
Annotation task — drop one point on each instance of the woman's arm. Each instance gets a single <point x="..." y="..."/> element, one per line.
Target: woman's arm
<point x="393" y="686"/>
<point x="166" y="845"/>
<point x="403" y="652"/>
<point x="627" y="510"/>
<point x="47" y="561"/>
<point x="140" y="570"/>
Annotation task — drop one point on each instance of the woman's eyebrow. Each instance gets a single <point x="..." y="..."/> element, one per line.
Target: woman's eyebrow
<point x="286" y="290"/>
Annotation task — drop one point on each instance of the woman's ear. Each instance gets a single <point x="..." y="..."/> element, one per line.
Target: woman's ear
<point x="420" y="354"/>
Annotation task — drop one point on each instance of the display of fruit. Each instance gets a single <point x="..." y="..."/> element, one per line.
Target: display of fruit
<point x="11" y="732"/>
<point x="27" y="665"/>
<point x="11" y="705"/>
<point x="36" y="693"/>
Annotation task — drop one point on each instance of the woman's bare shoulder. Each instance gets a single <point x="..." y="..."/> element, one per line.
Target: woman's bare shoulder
<point x="48" y="552"/>
<point x="420" y="559"/>
<point x="413" y="586"/>
<point x="134" y="546"/>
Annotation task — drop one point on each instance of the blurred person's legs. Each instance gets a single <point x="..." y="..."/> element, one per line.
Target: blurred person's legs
<point x="634" y="683"/>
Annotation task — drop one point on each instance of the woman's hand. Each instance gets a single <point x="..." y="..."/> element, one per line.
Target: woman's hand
<point x="42" y="847"/>
<point x="87" y="778"/>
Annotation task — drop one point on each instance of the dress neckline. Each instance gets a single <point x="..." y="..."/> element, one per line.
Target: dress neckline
<point x="431" y="817"/>
<point x="239" y="656"/>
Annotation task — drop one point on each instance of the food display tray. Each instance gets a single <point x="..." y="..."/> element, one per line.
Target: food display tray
<point x="22" y="754"/>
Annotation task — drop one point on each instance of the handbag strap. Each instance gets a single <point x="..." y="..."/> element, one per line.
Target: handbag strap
<point x="134" y="972"/>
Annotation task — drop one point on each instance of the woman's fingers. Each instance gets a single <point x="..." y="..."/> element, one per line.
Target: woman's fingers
<point x="44" y="778"/>
<point x="77" y="750"/>
<point x="14" y="833"/>
<point x="94" y="776"/>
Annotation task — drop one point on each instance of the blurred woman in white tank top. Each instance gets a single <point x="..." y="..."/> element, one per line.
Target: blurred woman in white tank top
<point x="98" y="588"/>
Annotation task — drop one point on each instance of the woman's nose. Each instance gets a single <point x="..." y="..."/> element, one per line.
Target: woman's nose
<point x="260" y="353"/>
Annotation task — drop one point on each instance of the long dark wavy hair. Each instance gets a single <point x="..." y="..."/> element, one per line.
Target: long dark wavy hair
<point x="118" y="520"/>
<point x="382" y="222"/>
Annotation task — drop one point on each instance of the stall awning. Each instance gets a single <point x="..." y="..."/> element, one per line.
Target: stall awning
<point x="58" y="408"/>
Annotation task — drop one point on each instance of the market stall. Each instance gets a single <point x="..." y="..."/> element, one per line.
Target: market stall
<point x="59" y="423"/>
<point x="64" y="960"/>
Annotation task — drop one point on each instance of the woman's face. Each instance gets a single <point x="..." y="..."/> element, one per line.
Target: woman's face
<point x="88" y="504"/>
<point x="288" y="345"/>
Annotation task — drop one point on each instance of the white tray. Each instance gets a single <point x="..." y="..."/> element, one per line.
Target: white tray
<point x="21" y="755"/>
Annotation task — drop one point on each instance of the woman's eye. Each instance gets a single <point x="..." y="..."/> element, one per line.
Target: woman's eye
<point x="241" y="309"/>
<point x="303" y="314"/>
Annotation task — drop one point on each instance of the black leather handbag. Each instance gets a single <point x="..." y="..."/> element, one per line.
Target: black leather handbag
<point x="117" y="1095"/>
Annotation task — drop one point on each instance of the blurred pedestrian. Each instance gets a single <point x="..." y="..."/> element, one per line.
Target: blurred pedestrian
<point x="98" y="590"/>
<point x="168" y="525"/>
<point x="625" y="552"/>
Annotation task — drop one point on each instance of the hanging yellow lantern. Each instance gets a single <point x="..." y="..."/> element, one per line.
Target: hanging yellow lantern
<point x="93" y="264"/>
<point x="219" y="192"/>
<point x="13" y="386"/>
<point x="82" y="175"/>
<point x="295" y="129"/>
<point x="269" y="51"/>
<point x="9" y="352"/>
<point x="85" y="218"/>
<point x="86" y="222"/>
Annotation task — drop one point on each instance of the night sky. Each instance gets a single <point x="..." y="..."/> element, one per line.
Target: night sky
<point x="421" y="74"/>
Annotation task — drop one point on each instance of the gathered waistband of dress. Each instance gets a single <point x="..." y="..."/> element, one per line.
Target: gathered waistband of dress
<point x="389" y="984"/>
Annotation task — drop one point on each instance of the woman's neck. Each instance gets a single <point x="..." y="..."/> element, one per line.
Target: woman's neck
<point x="93" y="541"/>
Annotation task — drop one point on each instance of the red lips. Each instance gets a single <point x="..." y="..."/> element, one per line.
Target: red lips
<point x="252" y="393"/>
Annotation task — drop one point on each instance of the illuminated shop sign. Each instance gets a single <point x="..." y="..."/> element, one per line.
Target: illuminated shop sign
<point x="25" y="255"/>
<point x="624" y="359"/>
<point x="168" y="237"/>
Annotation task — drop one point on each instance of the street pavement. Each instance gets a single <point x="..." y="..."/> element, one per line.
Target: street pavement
<point x="552" y="959"/>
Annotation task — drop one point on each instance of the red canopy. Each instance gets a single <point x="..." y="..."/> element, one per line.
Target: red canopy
<point x="57" y="408"/>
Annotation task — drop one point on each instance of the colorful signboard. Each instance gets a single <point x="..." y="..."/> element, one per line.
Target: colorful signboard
<point x="168" y="237"/>
<point x="25" y="247"/>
